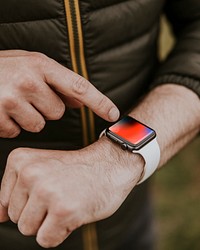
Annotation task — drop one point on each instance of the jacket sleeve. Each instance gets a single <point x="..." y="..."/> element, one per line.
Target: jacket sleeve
<point x="183" y="64"/>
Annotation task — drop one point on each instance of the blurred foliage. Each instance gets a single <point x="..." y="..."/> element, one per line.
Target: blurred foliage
<point x="177" y="199"/>
<point x="166" y="39"/>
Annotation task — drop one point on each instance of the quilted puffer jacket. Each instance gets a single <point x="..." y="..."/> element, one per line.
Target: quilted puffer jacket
<point x="113" y="43"/>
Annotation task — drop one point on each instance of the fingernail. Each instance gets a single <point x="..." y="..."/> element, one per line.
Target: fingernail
<point x="113" y="114"/>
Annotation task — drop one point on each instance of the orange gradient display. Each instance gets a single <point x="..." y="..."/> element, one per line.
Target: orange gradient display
<point x="131" y="130"/>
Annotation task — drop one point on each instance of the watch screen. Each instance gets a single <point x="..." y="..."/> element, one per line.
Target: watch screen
<point x="131" y="130"/>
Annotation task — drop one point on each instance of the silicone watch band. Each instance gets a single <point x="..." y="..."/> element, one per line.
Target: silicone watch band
<point x="151" y="155"/>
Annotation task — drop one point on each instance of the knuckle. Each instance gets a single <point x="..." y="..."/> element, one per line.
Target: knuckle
<point x="45" y="242"/>
<point x="36" y="127"/>
<point x="80" y="86"/>
<point x="61" y="211"/>
<point x="9" y="102"/>
<point x="58" y="112"/>
<point x="43" y="192"/>
<point x="10" y="132"/>
<point x="38" y="58"/>
<point x="27" y="83"/>
<point x="29" y="173"/>
<point x="17" y="155"/>
<point x="24" y="229"/>
<point x="12" y="216"/>
<point x="102" y="103"/>
<point x="14" y="132"/>
<point x="40" y="126"/>
<point x="26" y="175"/>
<point x="48" y="239"/>
<point x="4" y="203"/>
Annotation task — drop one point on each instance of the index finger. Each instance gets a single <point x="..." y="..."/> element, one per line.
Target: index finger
<point x="71" y="84"/>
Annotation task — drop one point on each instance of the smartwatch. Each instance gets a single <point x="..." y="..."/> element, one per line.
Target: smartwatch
<point x="137" y="138"/>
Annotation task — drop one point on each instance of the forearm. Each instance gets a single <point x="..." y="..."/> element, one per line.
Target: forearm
<point x="174" y="112"/>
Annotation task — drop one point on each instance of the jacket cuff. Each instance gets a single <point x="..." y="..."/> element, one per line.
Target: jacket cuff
<point x="188" y="82"/>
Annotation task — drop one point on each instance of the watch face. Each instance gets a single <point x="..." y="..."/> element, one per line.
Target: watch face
<point x="132" y="132"/>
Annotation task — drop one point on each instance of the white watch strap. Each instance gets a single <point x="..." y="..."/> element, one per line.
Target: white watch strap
<point x="151" y="154"/>
<point x="102" y="133"/>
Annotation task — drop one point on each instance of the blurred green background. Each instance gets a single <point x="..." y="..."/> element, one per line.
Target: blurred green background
<point x="176" y="189"/>
<point x="176" y="192"/>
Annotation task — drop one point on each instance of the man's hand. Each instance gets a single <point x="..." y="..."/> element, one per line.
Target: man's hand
<point x="55" y="191"/>
<point x="35" y="88"/>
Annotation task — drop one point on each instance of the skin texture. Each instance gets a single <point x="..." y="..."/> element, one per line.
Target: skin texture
<point x="29" y="78"/>
<point x="44" y="191"/>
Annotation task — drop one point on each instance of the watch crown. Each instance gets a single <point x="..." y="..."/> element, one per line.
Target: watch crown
<point x="124" y="146"/>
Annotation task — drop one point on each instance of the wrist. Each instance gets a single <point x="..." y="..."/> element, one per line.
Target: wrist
<point x="118" y="159"/>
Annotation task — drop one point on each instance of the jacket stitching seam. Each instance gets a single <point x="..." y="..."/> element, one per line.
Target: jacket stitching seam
<point x="31" y="21"/>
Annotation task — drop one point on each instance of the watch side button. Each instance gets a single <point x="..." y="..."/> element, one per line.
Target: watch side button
<point x="124" y="146"/>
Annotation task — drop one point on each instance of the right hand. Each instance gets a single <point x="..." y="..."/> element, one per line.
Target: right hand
<point x="35" y="88"/>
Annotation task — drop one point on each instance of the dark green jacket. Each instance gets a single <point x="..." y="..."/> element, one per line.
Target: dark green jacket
<point x="113" y="43"/>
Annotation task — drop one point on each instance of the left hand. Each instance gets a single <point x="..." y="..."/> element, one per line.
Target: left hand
<point x="46" y="191"/>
